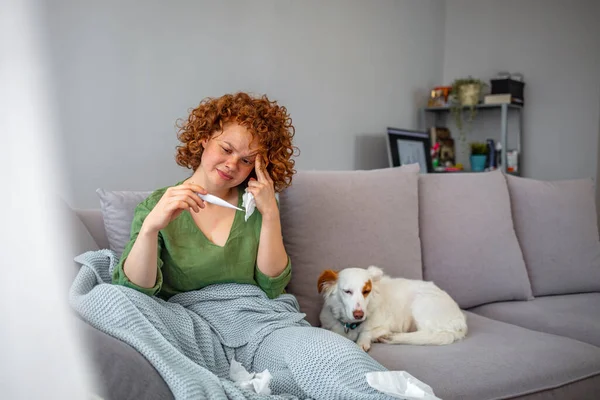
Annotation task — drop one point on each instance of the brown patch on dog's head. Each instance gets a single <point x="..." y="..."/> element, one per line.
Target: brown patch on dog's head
<point x="366" y="290"/>
<point x="326" y="280"/>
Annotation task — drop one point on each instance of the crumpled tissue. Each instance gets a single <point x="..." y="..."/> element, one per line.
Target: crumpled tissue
<point x="400" y="384"/>
<point x="248" y="203"/>
<point x="257" y="382"/>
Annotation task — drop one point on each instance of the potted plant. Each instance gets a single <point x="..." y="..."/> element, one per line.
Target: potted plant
<point x="479" y="152"/>
<point x="465" y="92"/>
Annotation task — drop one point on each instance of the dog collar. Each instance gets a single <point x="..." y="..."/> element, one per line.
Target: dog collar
<point x="348" y="326"/>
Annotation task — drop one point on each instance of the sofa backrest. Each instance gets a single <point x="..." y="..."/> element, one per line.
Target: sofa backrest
<point x="454" y="229"/>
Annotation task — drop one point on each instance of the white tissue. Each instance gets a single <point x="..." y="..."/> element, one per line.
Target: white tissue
<point x="248" y="203"/>
<point x="400" y="384"/>
<point x="257" y="382"/>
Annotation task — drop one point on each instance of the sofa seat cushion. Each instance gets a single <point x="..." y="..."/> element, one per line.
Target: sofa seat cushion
<point x="340" y="219"/>
<point x="495" y="361"/>
<point x="574" y="315"/>
<point x="470" y="248"/>
<point x="557" y="227"/>
<point x="585" y="389"/>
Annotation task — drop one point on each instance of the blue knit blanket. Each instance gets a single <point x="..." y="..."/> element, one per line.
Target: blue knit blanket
<point x="192" y="338"/>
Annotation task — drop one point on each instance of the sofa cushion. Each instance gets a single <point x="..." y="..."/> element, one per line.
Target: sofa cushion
<point x="557" y="227"/>
<point x="469" y="244"/>
<point x="584" y="389"/>
<point x="117" y="210"/>
<point x="495" y="361"/>
<point x="574" y="315"/>
<point x="340" y="219"/>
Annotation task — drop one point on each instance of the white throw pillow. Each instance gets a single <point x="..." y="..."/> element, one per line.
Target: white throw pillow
<point x="117" y="210"/>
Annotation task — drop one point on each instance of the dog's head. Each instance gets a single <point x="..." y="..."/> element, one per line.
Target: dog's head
<point x="348" y="292"/>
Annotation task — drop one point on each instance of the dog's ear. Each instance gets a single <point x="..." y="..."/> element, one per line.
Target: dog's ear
<point x="375" y="273"/>
<point x="327" y="279"/>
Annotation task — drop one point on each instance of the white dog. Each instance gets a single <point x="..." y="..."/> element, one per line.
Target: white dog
<point x="366" y="306"/>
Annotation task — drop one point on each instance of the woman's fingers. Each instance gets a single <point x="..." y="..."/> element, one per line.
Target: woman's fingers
<point x="183" y="203"/>
<point x="258" y="167"/>
<point x="261" y="172"/>
<point x="194" y="187"/>
<point x="195" y="201"/>
<point x="253" y="190"/>
<point x="254" y="183"/>
<point x="185" y="192"/>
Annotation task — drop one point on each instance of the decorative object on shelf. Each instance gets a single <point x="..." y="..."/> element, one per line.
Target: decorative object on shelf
<point x="435" y="155"/>
<point x="465" y="93"/>
<point x="479" y="152"/>
<point x="439" y="96"/>
<point x="409" y="147"/>
<point x="508" y="84"/>
<point x="492" y="160"/>
<point x="447" y="153"/>
<point x="442" y="150"/>
<point x="512" y="161"/>
<point x="499" y="99"/>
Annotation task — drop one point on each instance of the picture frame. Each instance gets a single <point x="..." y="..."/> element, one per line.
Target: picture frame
<point x="407" y="146"/>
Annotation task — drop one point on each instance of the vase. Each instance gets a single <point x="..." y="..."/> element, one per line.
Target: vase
<point x="478" y="162"/>
<point x="468" y="95"/>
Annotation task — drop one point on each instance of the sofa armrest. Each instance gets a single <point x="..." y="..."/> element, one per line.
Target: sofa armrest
<point x="94" y="223"/>
<point x="120" y="372"/>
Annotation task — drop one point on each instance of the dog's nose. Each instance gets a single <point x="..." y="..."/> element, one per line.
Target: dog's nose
<point x="358" y="314"/>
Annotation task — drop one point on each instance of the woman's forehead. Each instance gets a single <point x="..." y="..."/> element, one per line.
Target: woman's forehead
<point x="239" y="137"/>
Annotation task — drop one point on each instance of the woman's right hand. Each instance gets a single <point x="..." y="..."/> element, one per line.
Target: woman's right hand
<point x="174" y="201"/>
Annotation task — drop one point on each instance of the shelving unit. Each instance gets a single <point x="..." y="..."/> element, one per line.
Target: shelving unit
<point x="504" y="108"/>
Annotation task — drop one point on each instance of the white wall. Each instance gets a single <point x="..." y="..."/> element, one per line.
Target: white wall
<point x="126" y="71"/>
<point x="556" y="45"/>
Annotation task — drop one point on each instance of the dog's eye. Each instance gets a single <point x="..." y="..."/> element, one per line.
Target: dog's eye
<point x="348" y="291"/>
<point x="366" y="292"/>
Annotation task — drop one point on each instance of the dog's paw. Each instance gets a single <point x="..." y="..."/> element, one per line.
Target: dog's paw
<point x="365" y="345"/>
<point x="384" y="339"/>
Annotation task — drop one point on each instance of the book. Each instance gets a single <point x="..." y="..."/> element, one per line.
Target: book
<point x="501" y="99"/>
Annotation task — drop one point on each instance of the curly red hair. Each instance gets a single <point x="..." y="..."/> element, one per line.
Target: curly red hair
<point x="266" y="121"/>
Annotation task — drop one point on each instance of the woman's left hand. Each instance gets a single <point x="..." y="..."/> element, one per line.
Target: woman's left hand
<point x="263" y="190"/>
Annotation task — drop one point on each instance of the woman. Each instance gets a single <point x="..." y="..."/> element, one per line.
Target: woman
<point x="180" y="243"/>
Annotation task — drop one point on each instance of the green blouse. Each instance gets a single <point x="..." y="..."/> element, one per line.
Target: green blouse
<point x="187" y="260"/>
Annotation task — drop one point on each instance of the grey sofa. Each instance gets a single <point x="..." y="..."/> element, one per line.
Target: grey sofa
<point x="520" y="256"/>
